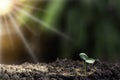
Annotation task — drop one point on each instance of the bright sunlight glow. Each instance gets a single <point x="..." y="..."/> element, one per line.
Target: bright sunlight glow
<point x="5" y="6"/>
<point x="13" y="15"/>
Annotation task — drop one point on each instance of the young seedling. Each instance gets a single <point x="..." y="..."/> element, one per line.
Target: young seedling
<point x="86" y="60"/>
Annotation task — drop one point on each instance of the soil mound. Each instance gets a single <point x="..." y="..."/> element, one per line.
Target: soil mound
<point x="63" y="69"/>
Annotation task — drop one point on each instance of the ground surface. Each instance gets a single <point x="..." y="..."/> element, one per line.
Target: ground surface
<point x="60" y="70"/>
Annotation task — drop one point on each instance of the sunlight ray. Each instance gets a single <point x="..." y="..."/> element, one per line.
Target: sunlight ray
<point x="42" y="0"/>
<point x="9" y="34"/>
<point x="39" y="0"/>
<point x="1" y="39"/>
<point x="32" y="7"/>
<point x="25" y="25"/>
<point x="33" y="32"/>
<point x="15" y="25"/>
<point x="42" y="23"/>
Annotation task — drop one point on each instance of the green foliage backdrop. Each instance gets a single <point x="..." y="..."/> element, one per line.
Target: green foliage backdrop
<point x="92" y="25"/>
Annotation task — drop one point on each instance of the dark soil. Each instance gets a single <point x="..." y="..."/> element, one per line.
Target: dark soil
<point x="60" y="70"/>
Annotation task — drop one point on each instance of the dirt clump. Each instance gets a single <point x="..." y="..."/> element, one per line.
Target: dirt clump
<point x="64" y="69"/>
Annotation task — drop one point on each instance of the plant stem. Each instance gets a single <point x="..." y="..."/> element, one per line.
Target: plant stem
<point x="85" y="68"/>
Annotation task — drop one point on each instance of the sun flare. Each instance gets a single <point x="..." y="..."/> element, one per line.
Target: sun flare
<point x="5" y="6"/>
<point x="11" y="21"/>
<point x="15" y="17"/>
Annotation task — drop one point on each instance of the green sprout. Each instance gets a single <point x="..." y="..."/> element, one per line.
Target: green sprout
<point x="86" y="60"/>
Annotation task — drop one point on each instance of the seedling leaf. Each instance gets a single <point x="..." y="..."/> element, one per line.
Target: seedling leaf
<point x="86" y="60"/>
<point x="83" y="56"/>
<point x="90" y="60"/>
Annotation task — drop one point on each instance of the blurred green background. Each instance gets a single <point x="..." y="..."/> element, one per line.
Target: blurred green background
<point x="91" y="26"/>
